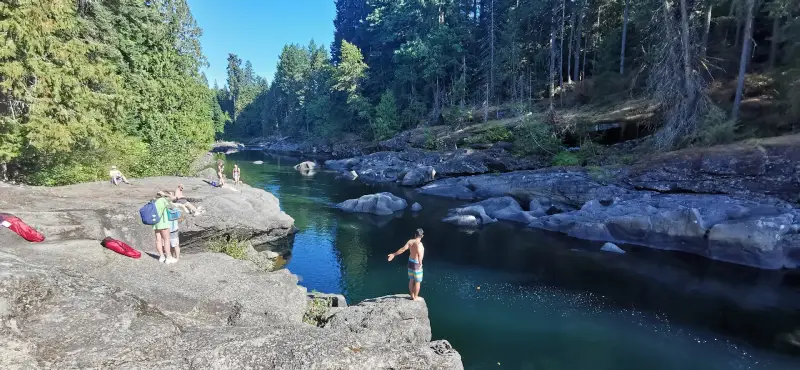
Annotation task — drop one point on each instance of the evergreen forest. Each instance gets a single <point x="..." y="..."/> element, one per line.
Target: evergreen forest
<point x="88" y="83"/>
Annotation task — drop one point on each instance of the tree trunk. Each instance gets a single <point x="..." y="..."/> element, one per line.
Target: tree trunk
<point x="552" y="76"/>
<point x="704" y="49"/>
<point x="571" y="43"/>
<point x="687" y="61"/>
<point x="491" y="71"/>
<point x="738" y="27"/>
<point x="776" y="39"/>
<point x="624" y="39"/>
<point x="746" y="43"/>
<point x="582" y="75"/>
<point x="578" y="30"/>
<point x="561" y="50"/>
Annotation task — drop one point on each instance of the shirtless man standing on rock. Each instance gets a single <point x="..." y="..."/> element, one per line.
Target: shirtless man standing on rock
<point x="414" y="263"/>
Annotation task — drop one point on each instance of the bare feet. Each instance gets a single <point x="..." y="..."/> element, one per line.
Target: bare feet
<point x="417" y="299"/>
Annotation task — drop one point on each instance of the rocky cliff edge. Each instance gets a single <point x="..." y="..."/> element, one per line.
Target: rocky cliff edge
<point x="69" y="303"/>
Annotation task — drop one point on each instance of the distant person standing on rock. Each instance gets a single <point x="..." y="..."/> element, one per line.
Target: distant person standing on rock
<point x="237" y="175"/>
<point x="221" y="172"/>
<point x="116" y="176"/>
<point x="414" y="263"/>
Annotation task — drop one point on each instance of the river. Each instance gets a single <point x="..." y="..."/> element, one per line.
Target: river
<point x="507" y="297"/>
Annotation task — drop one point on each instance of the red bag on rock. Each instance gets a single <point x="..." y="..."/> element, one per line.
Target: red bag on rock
<point x="22" y="229"/>
<point x="120" y="247"/>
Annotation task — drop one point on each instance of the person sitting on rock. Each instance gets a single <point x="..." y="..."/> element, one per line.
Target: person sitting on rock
<point x="116" y="176"/>
<point x="237" y="173"/>
<point x="414" y="263"/>
<point x="179" y="200"/>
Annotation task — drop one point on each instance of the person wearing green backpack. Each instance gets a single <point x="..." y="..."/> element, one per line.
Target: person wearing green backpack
<point x="161" y="228"/>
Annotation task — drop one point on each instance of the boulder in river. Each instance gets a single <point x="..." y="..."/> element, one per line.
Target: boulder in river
<point x="419" y="176"/>
<point x="381" y="204"/>
<point x="462" y="220"/>
<point x="258" y="162"/>
<point x="491" y="210"/>
<point x="306" y="166"/>
<point x="612" y="248"/>
<point x="470" y="215"/>
<point x="416" y="207"/>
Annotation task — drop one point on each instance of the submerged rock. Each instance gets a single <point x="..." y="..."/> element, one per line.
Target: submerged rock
<point x="416" y="207"/>
<point x="462" y="220"/>
<point x="379" y="204"/>
<point x="347" y="175"/>
<point x="612" y="248"/>
<point x="306" y="166"/>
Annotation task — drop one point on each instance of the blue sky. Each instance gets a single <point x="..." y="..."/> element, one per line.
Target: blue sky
<point x="257" y="30"/>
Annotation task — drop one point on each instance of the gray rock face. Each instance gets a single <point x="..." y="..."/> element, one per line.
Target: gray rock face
<point x="416" y="207"/>
<point x="560" y="189"/>
<point x="760" y="233"/>
<point x="391" y="320"/>
<point x="410" y="167"/>
<point x="207" y="174"/>
<point x="419" y="176"/>
<point x="766" y="166"/>
<point x="381" y="204"/>
<point x="63" y="318"/>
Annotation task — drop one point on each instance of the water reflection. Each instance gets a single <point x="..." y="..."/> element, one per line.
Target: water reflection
<point x="536" y="300"/>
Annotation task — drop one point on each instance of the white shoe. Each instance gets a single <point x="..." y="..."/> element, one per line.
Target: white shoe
<point x="162" y="259"/>
<point x="171" y="260"/>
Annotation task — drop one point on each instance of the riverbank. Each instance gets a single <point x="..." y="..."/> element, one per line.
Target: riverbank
<point x="734" y="203"/>
<point x="68" y="302"/>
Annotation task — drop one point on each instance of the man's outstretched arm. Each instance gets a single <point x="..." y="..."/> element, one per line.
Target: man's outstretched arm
<point x="399" y="252"/>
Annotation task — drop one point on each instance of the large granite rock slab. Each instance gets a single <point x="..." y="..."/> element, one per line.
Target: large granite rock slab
<point x="558" y="188"/>
<point x="765" y="166"/>
<point x="70" y="303"/>
<point x="96" y="210"/>
<point x="761" y="233"/>
<point x="56" y="317"/>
